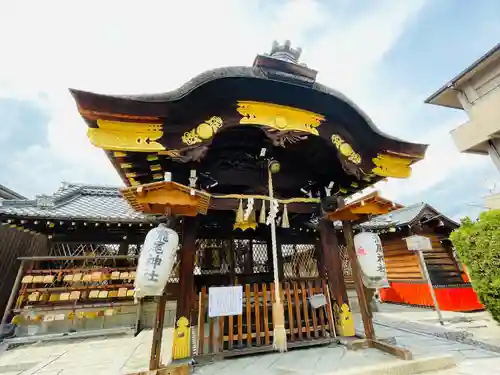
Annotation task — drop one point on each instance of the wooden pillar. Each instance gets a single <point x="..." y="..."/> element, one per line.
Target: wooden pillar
<point x="332" y="261"/>
<point x="186" y="274"/>
<point x="154" y="359"/>
<point x="13" y="294"/>
<point x="358" y="282"/>
<point x="336" y="282"/>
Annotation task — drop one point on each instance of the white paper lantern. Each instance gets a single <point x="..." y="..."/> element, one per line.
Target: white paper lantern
<point x="156" y="261"/>
<point x="371" y="259"/>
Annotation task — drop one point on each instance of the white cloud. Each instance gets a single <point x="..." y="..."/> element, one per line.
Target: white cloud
<point x="153" y="46"/>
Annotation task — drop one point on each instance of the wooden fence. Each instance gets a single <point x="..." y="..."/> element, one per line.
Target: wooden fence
<point x="16" y="243"/>
<point x="254" y="328"/>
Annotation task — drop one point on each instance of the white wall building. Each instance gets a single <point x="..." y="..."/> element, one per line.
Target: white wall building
<point x="476" y="90"/>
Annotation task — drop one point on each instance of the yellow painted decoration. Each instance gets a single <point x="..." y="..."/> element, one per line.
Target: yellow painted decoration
<point x="158" y="176"/>
<point x="279" y="117"/>
<point x="126" y="165"/>
<point x="152" y="157"/>
<point x="346" y="149"/>
<point x="203" y="131"/>
<point x="170" y="153"/>
<point x="250" y="223"/>
<point x="343" y="321"/>
<point x="156" y="167"/>
<point x="131" y="174"/>
<point x="119" y="154"/>
<point x="17" y="320"/>
<point x="90" y="314"/>
<point x="182" y="339"/>
<point x="392" y="166"/>
<point x="128" y="136"/>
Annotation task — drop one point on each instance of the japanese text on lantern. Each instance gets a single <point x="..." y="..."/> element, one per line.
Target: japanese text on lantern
<point x="380" y="257"/>
<point x="155" y="257"/>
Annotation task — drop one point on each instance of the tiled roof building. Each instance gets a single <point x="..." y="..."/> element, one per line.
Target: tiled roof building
<point x="6" y="193"/>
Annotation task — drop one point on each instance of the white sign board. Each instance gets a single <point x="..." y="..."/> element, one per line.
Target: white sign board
<point x="418" y="243"/>
<point x="317" y="301"/>
<point x="225" y="301"/>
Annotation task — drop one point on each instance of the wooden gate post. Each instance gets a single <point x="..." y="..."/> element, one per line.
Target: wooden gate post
<point x="335" y="273"/>
<point x="186" y="274"/>
<point x="154" y="360"/>
<point x="12" y="297"/>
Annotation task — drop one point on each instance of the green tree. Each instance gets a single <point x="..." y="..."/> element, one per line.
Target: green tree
<point x="478" y="246"/>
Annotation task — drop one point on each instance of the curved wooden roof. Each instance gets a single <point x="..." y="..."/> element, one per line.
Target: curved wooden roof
<point x="231" y="113"/>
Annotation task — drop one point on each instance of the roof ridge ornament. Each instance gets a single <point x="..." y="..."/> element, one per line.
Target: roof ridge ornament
<point x="285" y="52"/>
<point x="282" y="64"/>
<point x="45" y="201"/>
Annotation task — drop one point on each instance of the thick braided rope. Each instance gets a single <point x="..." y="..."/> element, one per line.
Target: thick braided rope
<point x="273" y="243"/>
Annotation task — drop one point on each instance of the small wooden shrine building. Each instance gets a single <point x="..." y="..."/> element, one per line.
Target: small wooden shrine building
<point x="77" y="267"/>
<point x="14" y="244"/>
<point x="250" y="157"/>
<point x="406" y="278"/>
<point x="240" y="143"/>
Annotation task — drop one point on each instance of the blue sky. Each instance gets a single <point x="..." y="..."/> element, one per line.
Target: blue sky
<point x="387" y="55"/>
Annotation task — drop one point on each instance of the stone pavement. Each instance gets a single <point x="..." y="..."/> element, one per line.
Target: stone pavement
<point x="479" y="366"/>
<point x="479" y="326"/>
<point x="125" y="354"/>
<point x="320" y="360"/>
<point x="102" y="355"/>
<point x="335" y="360"/>
<point x="426" y="345"/>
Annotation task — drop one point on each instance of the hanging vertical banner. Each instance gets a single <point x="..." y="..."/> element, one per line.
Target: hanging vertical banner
<point x="156" y="261"/>
<point x="225" y="301"/>
<point x="371" y="259"/>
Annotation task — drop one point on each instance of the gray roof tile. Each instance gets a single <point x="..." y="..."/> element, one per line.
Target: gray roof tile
<point x="402" y="216"/>
<point x="6" y="193"/>
<point x="77" y="202"/>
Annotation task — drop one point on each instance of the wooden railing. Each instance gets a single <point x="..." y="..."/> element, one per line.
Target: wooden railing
<point x="254" y="328"/>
